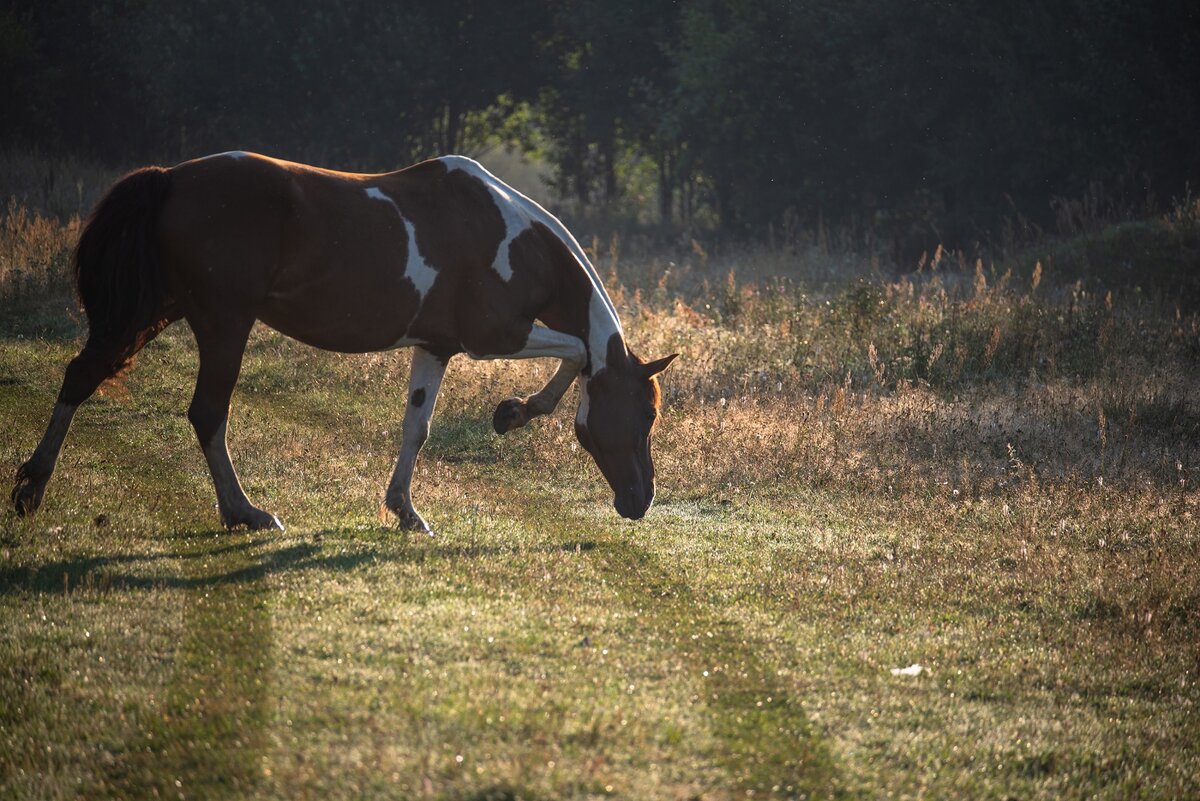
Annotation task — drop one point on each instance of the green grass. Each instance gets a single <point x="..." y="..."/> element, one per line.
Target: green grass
<point x="1015" y="513"/>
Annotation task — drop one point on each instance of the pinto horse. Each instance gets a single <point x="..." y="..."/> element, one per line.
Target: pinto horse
<point x="442" y="257"/>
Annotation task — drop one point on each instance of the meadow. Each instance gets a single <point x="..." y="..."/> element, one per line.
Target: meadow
<point x="982" y="468"/>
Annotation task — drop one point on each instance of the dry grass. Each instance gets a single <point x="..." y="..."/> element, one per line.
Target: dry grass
<point x="35" y="252"/>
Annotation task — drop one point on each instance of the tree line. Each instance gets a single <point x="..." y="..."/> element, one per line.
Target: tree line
<point x="732" y="115"/>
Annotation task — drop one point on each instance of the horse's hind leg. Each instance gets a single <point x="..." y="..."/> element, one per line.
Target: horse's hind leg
<point x="94" y="365"/>
<point x="221" y="348"/>
<point x="423" y="386"/>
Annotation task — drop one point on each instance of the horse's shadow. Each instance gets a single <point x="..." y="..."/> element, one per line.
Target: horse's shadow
<point x="104" y="572"/>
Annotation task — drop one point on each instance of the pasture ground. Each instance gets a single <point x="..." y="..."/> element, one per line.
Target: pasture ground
<point x="990" y="476"/>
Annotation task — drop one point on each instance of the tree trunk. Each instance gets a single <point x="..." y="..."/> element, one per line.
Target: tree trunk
<point x="581" y="172"/>
<point x="666" y="187"/>
<point x="723" y="189"/>
<point x="608" y="154"/>
<point x="450" y="142"/>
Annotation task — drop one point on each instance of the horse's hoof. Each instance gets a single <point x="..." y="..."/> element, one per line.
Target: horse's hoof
<point x="509" y="414"/>
<point x="411" y="521"/>
<point x="268" y="521"/>
<point x="254" y="520"/>
<point x="28" y="492"/>
<point x="27" y="499"/>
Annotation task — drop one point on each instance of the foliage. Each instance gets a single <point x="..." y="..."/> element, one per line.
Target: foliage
<point x="930" y="122"/>
<point x="352" y="83"/>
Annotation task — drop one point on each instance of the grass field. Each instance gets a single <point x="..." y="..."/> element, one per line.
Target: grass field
<point x="986" y="473"/>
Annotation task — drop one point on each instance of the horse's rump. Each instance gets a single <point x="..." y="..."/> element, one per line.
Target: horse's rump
<point x="119" y="274"/>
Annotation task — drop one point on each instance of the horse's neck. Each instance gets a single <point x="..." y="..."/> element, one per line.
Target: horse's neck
<point x="576" y="276"/>
<point x="595" y="322"/>
<point x="602" y="325"/>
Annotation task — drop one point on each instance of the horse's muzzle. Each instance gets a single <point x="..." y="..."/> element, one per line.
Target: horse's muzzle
<point x="633" y="505"/>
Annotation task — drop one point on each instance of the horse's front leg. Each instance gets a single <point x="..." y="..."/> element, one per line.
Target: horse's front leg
<point x="542" y="342"/>
<point x="423" y="385"/>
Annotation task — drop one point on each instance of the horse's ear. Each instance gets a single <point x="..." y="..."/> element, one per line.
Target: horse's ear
<point x="655" y="367"/>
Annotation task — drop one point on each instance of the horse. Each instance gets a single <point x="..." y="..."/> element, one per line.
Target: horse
<point x="442" y="257"/>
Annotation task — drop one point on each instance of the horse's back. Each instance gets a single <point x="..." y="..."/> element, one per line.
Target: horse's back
<point x="296" y="246"/>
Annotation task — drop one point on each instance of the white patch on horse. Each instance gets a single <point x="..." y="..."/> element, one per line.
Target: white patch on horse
<point x="600" y="329"/>
<point x="543" y="342"/>
<point x="516" y="219"/>
<point x="418" y="271"/>
<point x="233" y="154"/>
<point x="515" y="222"/>
<point x="375" y="193"/>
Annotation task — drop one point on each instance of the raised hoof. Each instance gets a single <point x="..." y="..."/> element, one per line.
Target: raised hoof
<point x="28" y="491"/>
<point x="253" y="519"/>
<point x="509" y="414"/>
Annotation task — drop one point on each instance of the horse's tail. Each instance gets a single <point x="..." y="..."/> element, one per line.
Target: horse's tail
<point x="119" y="273"/>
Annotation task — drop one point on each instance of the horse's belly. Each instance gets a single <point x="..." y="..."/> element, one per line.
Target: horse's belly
<point x="342" y="312"/>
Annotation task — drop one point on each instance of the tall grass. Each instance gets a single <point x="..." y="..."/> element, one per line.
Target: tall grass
<point x="35" y="252"/>
<point x="42" y="199"/>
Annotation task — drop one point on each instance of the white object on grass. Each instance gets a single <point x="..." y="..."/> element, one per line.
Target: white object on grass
<point x="912" y="670"/>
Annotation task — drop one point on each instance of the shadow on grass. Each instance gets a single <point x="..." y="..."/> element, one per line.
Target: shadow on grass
<point x="500" y="793"/>
<point x="767" y="744"/>
<point x="208" y="738"/>
<point x="105" y="573"/>
<point x="64" y="575"/>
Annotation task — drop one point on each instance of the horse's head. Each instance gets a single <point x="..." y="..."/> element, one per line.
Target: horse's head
<point x="617" y="412"/>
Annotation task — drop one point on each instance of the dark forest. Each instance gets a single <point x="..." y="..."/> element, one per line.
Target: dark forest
<point x="718" y="115"/>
